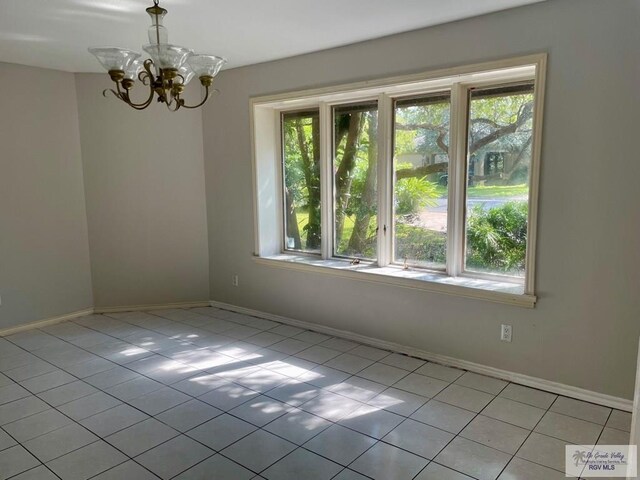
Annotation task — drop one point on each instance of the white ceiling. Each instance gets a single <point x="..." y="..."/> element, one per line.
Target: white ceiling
<point x="56" y="33"/>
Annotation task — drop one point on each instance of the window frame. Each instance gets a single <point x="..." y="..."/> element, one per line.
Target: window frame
<point x="282" y="182"/>
<point x="391" y="247"/>
<point x="462" y="183"/>
<point x="458" y="81"/>
<point x="332" y="162"/>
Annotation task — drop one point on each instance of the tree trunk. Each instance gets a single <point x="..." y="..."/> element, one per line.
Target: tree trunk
<point x="420" y="172"/>
<point x="292" y="222"/>
<point x="358" y="240"/>
<point x="343" y="174"/>
<point x="311" y="164"/>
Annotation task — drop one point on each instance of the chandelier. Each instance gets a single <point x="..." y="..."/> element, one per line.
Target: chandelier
<point x="165" y="74"/>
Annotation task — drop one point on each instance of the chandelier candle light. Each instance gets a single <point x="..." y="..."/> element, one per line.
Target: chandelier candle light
<point x="174" y="67"/>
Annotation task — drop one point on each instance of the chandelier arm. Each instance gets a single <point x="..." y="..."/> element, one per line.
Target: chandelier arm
<point x="118" y="92"/>
<point x="143" y="105"/>
<point x="145" y="79"/>
<point x="124" y="96"/>
<point x="146" y="76"/>
<point x="147" y="66"/>
<point x="110" y="90"/>
<point x="140" y="106"/>
<point x="206" y="97"/>
<point x="173" y="106"/>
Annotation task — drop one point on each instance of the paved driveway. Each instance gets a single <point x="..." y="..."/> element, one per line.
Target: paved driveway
<point x="435" y="218"/>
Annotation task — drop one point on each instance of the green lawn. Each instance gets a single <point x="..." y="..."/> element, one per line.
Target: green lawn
<point x="303" y="219"/>
<point x="491" y="191"/>
<point x="347" y="229"/>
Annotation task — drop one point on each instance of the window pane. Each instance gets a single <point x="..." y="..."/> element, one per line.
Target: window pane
<point x="301" y="170"/>
<point x="498" y="167"/>
<point x="355" y="172"/>
<point x="421" y="162"/>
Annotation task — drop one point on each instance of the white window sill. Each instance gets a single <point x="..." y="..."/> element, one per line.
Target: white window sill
<point x="491" y="290"/>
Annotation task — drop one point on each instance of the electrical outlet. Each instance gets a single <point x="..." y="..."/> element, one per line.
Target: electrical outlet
<point x="234" y="280"/>
<point x="505" y="333"/>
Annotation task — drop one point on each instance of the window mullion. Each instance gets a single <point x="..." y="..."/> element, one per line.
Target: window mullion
<point x="326" y="180"/>
<point x="385" y="179"/>
<point x="457" y="176"/>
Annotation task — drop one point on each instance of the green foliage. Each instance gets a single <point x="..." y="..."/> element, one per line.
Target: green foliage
<point x="492" y="113"/>
<point x="356" y="205"/>
<point x="368" y="246"/>
<point x="420" y="244"/>
<point x="490" y="191"/>
<point x="413" y="194"/>
<point x="496" y="191"/>
<point x="497" y="238"/>
<point x="501" y="109"/>
<point x="293" y="165"/>
<point x="421" y="140"/>
<point x="302" y="179"/>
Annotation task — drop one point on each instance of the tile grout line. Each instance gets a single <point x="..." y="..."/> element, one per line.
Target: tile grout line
<point x="548" y="409"/>
<point x="77" y="422"/>
<point x="462" y="429"/>
<point x="220" y="451"/>
<point x="102" y="438"/>
<point x="597" y="439"/>
<point x="24" y="448"/>
<point x="377" y="440"/>
<point x="265" y="393"/>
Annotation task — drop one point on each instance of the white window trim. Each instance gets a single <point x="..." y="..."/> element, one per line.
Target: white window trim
<point x="265" y="114"/>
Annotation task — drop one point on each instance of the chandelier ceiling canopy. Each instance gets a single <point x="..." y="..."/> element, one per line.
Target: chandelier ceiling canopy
<point x="168" y="70"/>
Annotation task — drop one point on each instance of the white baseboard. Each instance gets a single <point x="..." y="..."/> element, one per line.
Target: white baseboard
<point x="91" y="310"/>
<point x="534" y="382"/>
<point x="160" y="306"/>
<point x="46" y="322"/>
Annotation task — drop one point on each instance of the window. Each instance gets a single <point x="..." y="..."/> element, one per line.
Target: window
<point x="355" y="160"/>
<point x="497" y="194"/>
<point x="435" y="175"/>
<point x="301" y="172"/>
<point x="421" y="193"/>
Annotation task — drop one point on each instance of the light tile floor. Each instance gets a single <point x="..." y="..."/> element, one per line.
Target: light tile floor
<point x="211" y="394"/>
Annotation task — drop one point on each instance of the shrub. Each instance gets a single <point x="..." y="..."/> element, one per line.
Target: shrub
<point x="420" y="244"/>
<point x="497" y="238"/>
<point x="413" y="194"/>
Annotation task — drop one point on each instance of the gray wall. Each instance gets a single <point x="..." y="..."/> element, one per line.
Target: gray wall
<point x="584" y="330"/>
<point x="145" y="197"/>
<point x="44" y="254"/>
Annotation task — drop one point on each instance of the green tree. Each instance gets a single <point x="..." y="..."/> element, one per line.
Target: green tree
<point x="366" y="205"/>
<point x="302" y="179"/>
<point x="503" y="121"/>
